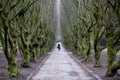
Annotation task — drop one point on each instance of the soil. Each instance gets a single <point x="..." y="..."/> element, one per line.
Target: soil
<point x="25" y="72"/>
<point x="100" y="71"/>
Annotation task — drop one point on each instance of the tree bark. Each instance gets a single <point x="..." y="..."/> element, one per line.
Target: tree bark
<point x="111" y="56"/>
<point x="97" y="56"/>
<point x="12" y="66"/>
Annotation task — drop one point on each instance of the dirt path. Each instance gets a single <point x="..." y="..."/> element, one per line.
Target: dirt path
<point x="60" y="66"/>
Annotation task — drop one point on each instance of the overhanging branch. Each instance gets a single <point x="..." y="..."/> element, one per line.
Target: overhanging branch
<point x="23" y="10"/>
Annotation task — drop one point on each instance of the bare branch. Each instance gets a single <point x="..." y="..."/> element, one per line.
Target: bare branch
<point x="13" y="6"/>
<point x="23" y="10"/>
<point x="110" y="4"/>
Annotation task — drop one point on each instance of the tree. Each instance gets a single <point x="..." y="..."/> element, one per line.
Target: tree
<point x="112" y="21"/>
<point x="21" y="23"/>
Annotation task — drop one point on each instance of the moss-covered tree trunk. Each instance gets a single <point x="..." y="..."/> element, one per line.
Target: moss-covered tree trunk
<point x="10" y="55"/>
<point x="12" y="65"/>
<point x="96" y="56"/>
<point x="115" y="67"/>
<point x="5" y="28"/>
<point x="24" y="47"/>
<point x="33" y="54"/>
<point x="112" y="35"/>
<point x="96" y="50"/>
<point x="88" y="54"/>
<point x="25" y="52"/>
<point x="111" y="56"/>
<point x="26" y="57"/>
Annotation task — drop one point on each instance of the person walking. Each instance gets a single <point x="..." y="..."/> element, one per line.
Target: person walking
<point x="58" y="46"/>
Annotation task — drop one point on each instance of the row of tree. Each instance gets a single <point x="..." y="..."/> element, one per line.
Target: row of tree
<point x="91" y="23"/>
<point x="24" y="29"/>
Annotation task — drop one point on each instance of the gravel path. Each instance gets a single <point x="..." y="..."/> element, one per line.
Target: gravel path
<point x="60" y="66"/>
<point x="24" y="71"/>
<point x="100" y="71"/>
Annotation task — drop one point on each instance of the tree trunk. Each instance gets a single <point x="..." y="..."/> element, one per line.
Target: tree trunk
<point x="25" y="52"/>
<point x="96" y="56"/>
<point x="26" y="58"/>
<point x="6" y="39"/>
<point x="88" y="56"/>
<point x="115" y="67"/>
<point x="96" y="47"/>
<point x="12" y="66"/>
<point x="33" y="54"/>
<point x="111" y="56"/>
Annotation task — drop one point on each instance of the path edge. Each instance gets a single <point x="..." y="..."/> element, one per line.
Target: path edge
<point x="34" y="71"/>
<point x="79" y="62"/>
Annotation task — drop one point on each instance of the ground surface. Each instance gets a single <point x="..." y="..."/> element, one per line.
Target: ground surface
<point x="60" y="66"/>
<point x="100" y="71"/>
<point x="25" y="72"/>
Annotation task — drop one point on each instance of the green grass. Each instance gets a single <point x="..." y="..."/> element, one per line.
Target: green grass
<point x="1" y="48"/>
<point x="118" y="53"/>
<point x="104" y="50"/>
